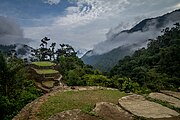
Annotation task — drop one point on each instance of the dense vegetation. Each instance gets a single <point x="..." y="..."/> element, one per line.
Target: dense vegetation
<point x="106" y="61"/>
<point x="158" y="66"/>
<point x="76" y="73"/>
<point x="16" y="90"/>
<point x="7" y="48"/>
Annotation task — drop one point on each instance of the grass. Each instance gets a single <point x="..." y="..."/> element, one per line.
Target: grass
<point x="84" y="100"/>
<point x="46" y="71"/>
<point x="43" y="64"/>
<point x="48" y="83"/>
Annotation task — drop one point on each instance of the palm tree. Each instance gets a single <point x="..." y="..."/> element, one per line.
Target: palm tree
<point x="52" y="50"/>
<point x="45" y="40"/>
<point x="43" y="43"/>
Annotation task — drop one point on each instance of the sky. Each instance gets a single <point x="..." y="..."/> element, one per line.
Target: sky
<point x="80" y="23"/>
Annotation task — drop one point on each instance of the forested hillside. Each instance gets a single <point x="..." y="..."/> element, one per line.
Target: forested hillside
<point x="16" y="90"/>
<point x="120" y="43"/>
<point x="158" y="66"/>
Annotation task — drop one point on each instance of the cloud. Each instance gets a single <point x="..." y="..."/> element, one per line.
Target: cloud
<point x="116" y="38"/>
<point x="177" y="6"/>
<point x="10" y="32"/>
<point x="85" y="23"/>
<point x="87" y="11"/>
<point x="79" y="22"/>
<point x="125" y="39"/>
<point x="52" y="2"/>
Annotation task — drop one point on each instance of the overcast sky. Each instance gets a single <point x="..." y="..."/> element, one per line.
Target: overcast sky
<point x="81" y="23"/>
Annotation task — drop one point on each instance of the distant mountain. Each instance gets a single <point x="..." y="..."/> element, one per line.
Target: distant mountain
<point x="121" y="43"/>
<point x="22" y="50"/>
<point x="81" y="52"/>
<point x="6" y="48"/>
<point x="105" y="61"/>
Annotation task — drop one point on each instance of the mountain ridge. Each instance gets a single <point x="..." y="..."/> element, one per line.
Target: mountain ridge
<point x="127" y="41"/>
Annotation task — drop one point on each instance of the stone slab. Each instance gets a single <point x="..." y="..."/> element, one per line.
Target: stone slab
<point x="171" y="93"/>
<point x="139" y="106"/>
<point x="171" y="100"/>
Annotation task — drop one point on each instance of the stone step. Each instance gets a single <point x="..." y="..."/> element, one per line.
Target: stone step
<point x="171" y="100"/>
<point x="139" y="106"/>
<point x="171" y="93"/>
<point x="41" y="87"/>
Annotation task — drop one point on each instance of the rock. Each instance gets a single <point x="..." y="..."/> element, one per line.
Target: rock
<point x="171" y="93"/>
<point x="139" y="106"/>
<point x="110" y="111"/>
<point x="75" y="114"/>
<point x="171" y="100"/>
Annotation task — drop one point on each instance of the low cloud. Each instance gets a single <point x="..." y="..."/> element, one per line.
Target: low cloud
<point x="117" y="38"/>
<point x="125" y="39"/>
<point x="11" y="33"/>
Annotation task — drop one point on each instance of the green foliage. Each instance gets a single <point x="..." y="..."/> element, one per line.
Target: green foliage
<point x="6" y="48"/>
<point x="158" y="66"/>
<point x="76" y="73"/>
<point x="73" y="78"/>
<point x="16" y="90"/>
<point x="96" y="80"/>
<point x="128" y="85"/>
<point x="69" y="63"/>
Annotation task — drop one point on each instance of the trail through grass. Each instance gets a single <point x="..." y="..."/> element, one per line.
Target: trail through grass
<point x="84" y="100"/>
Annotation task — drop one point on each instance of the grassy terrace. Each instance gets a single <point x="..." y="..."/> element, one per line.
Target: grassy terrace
<point x="43" y="64"/>
<point x="48" y="83"/>
<point x="46" y="71"/>
<point x="84" y="100"/>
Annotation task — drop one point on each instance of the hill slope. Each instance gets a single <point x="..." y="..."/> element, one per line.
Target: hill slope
<point x="119" y="44"/>
<point x="156" y="67"/>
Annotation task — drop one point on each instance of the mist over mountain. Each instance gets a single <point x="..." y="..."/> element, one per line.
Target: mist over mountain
<point x="81" y="52"/>
<point x="121" y="43"/>
<point x="22" y="50"/>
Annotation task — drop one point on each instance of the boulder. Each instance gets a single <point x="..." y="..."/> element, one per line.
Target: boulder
<point x="75" y="114"/>
<point x="110" y="111"/>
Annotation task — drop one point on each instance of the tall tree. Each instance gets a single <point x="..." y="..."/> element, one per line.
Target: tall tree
<point x="52" y="49"/>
